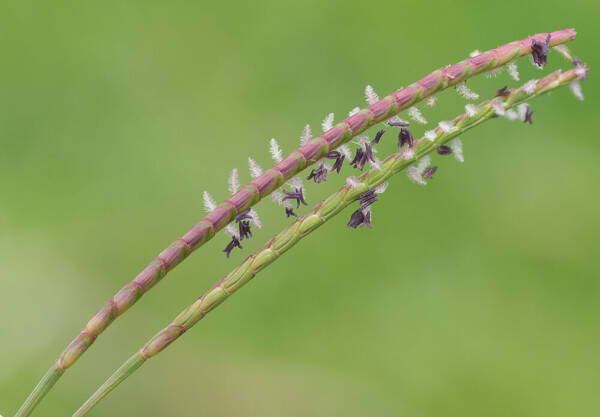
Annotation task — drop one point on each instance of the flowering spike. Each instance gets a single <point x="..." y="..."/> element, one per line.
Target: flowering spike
<point x="209" y="202"/>
<point x="466" y="92"/>
<point x="457" y="149"/>
<point x="539" y="51"/>
<point x="276" y="152"/>
<point x="416" y="115"/>
<point x="255" y="169"/>
<point x="370" y="95"/>
<point x="513" y="71"/>
<point x="327" y="122"/>
<point x="234" y="181"/>
<point x="306" y="135"/>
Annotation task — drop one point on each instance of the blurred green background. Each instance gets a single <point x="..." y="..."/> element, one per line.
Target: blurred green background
<point x="476" y="295"/>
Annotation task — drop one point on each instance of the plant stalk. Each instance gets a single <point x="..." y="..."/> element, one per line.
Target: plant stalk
<point x="306" y="224"/>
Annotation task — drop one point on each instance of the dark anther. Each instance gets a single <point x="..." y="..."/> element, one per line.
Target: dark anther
<point x="244" y="228"/>
<point x="318" y="175"/>
<point x="539" y="51"/>
<point x="244" y="215"/>
<point x="401" y="124"/>
<point x="358" y="218"/>
<point x="405" y="137"/>
<point x="367" y="198"/>
<point x="339" y="160"/>
<point x="235" y="243"/>
<point x="290" y="212"/>
<point x="428" y="173"/>
<point x="362" y="156"/>
<point x="503" y="92"/>
<point x="444" y="150"/>
<point x="528" y="114"/>
<point x="295" y="195"/>
<point x="378" y="136"/>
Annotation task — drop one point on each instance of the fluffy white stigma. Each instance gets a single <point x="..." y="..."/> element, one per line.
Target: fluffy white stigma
<point x="522" y="110"/>
<point x="396" y="119"/>
<point x="499" y="109"/>
<point x="295" y="182"/>
<point x="234" y="181"/>
<point x="380" y="189"/>
<point x="370" y="95"/>
<point x="466" y="92"/>
<point x="474" y="53"/>
<point x="457" y="149"/>
<point x="353" y="111"/>
<point x="306" y="135"/>
<point x="494" y="73"/>
<point x="423" y="164"/>
<point x="513" y="71"/>
<point x="416" y="115"/>
<point x="327" y="122"/>
<point x="231" y="229"/>
<point x="510" y="114"/>
<point x="276" y="152"/>
<point x="209" y="202"/>
<point x="431" y="101"/>
<point x="575" y="88"/>
<point x="430" y="135"/>
<point x="446" y="127"/>
<point x="255" y="218"/>
<point x="407" y="153"/>
<point x="415" y="176"/>
<point x="581" y="71"/>
<point x="352" y="182"/>
<point x="564" y="51"/>
<point x="255" y="169"/>
<point x="471" y="110"/>
<point x="277" y="197"/>
<point x="375" y="163"/>
<point x="345" y="150"/>
<point x="529" y="86"/>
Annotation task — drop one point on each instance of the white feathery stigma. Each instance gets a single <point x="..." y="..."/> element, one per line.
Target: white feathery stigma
<point x="475" y="53"/>
<point x="466" y="92"/>
<point x="575" y="88"/>
<point x="327" y="122"/>
<point x="255" y="169"/>
<point x="564" y="51"/>
<point x="522" y="110"/>
<point x="513" y="71"/>
<point x="510" y="114"/>
<point x="407" y="153"/>
<point x="380" y="189"/>
<point x="255" y="219"/>
<point x="209" y="202"/>
<point x="416" y="115"/>
<point x="276" y="152"/>
<point x="277" y="197"/>
<point x="234" y="181"/>
<point x="345" y="150"/>
<point x="499" y="109"/>
<point x="457" y="149"/>
<point x="446" y="127"/>
<point x="430" y="135"/>
<point x="494" y="73"/>
<point x="353" y="111"/>
<point x="471" y="110"/>
<point x="352" y="182"/>
<point x="306" y="135"/>
<point x="415" y="176"/>
<point x="396" y="119"/>
<point x="431" y="101"/>
<point x="370" y="95"/>
<point x="423" y="164"/>
<point x="295" y="182"/>
<point x="530" y="86"/>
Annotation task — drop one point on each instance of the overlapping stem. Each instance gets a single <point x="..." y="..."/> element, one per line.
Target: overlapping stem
<point x="318" y="215"/>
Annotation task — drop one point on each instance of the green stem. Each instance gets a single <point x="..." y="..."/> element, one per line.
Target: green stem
<point x="306" y="224"/>
<point x="45" y="384"/>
